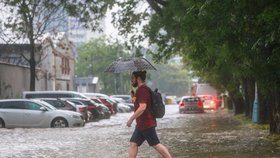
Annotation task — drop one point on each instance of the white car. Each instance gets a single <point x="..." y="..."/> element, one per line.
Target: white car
<point x="126" y="98"/>
<point x="35" y="113"/>
<point x="122" y="106"/>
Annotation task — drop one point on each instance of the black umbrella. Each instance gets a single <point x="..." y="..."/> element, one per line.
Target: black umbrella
<point x="130" y="64"/>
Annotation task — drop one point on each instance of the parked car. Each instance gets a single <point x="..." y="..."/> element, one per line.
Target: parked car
<point x="191" y="104"/>
<point x="106" y="113"/>
<point x="52" y="94"/>
<point x="105" y="109"/>
<point x="122" y="107"/>
<point x="209" y="102"/>
<point x="105" y="99"/>
<point x="35" y="113"/>
<point x="92" y="107"/>
<point x="64" y="104"/>
<point x="126" y="98"/>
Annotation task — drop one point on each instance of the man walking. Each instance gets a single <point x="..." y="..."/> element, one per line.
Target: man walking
<point x="145" y="122"/>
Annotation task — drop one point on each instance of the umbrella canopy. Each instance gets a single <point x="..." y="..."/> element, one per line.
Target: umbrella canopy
<point x="129" y="64"/>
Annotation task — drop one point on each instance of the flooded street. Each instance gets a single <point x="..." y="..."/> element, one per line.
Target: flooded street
<point x="209" y="135"/>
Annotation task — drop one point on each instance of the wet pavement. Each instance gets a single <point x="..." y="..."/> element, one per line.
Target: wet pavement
<point x="214" y="134"/>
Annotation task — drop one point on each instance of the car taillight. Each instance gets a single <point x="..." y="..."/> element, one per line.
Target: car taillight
<point x="90" y="107"/>
<point x="182" y="104"/>
<point x="82" y="110"/>
<point x="200" y="103"/>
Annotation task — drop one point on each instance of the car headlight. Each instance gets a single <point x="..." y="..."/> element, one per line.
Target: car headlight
<point x="75" y="116"/>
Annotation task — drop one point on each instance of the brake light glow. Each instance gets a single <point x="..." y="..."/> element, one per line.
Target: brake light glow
<point x="200" y="103"/>
<point x="182" y="104"/>
<point x="82" y="109"/>
<point x="90" y="107"/>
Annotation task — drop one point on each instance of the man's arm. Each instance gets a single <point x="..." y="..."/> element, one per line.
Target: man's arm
<point x="138" y="112"/>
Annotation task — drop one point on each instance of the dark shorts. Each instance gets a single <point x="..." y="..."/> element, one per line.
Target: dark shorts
<point x="149" y="134"/>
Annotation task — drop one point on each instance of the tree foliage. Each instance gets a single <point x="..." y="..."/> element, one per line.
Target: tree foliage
<point x="170" y="79"/>
<point x="230" y="44"/>
<point x="95" y="56"/>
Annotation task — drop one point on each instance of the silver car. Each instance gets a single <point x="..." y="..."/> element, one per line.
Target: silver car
<point x="35" y="113"/>
<point x="64" y="104"/>
<point x="191" y="104"/>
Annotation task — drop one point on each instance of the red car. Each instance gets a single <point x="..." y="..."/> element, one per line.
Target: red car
<point x="105" y="100"/>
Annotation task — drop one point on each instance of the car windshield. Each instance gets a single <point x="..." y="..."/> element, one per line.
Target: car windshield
<point x="191" y="99"/>
<point x="110" y="100"/>
<point x="97" y="101"/>
<point x="71" y="103"/>
<point x="89" y="102"/>
<point x="47" y="105"/>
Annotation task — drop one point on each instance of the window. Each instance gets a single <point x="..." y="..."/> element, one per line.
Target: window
<point x="12" y="105"/>
<point x="32" y="106"/>
<point x="55" y="103"/>
<point x="76" y="102"/>
<point x="193" y="99"/>
<point x="65" y="65"/>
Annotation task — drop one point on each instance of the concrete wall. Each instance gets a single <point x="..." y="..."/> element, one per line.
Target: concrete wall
<point x="16" y="79"/>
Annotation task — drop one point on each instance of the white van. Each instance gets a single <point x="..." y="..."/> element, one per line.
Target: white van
<point x="209" y="95"/>
<point x="52" y="94"/>
<point x="206" y="89"/>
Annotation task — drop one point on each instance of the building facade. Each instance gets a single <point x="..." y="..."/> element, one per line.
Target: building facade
<point x="57" y="66"/>
<point x="54" y="71"/>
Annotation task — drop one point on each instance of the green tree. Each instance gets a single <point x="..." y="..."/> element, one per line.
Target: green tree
<point x="95" y="56"/>
<point x="230" y="44"/>
<point x="170" y="79"/>
<point x="29" y="19"/>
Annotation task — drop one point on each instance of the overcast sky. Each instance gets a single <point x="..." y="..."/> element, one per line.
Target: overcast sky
<point x="112" y="32"/>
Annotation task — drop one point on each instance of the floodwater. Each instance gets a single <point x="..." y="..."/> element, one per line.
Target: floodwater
<point x="214" y="134"/>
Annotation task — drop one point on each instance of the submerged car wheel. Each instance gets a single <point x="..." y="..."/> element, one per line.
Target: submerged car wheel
<point x="59" y="123"/>
<point x="2" y="124"/>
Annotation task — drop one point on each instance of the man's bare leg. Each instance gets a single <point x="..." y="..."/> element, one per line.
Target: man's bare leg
<point x="163" y="151"/>
<point x="133" y="150"/>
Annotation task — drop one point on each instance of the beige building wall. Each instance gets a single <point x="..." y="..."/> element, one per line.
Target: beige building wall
<point x="13" y="81"/>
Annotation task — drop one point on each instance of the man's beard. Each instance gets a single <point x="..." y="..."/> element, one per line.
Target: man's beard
<point x="134" y="84"/>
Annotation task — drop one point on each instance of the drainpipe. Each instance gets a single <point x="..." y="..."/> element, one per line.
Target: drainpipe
<point x="54" y="70"/>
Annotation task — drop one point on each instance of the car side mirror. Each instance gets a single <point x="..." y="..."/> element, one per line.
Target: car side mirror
<point x="43" y="109"/>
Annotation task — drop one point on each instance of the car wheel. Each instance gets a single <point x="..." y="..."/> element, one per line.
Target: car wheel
<point x="2" y="124"/>
<point x="59" y="123"/>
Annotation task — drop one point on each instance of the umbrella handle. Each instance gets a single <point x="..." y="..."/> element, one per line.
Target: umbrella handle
<point x="132" y="93"/>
